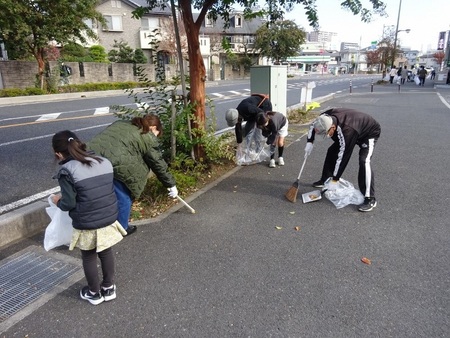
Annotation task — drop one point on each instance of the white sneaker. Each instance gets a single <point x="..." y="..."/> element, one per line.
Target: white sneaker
<point x="280" y="161"/>
<point x="272" y="163"/>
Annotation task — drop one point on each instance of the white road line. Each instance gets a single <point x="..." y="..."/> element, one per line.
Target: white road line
<point x="49" y="135"/>
<point x="218" y="95"/>
<point x="234" y="92"/>
<point x="46" y="117"/>
<point x="28" y="200"/>
<point x="444" y="101"/>
<point x="101" y="111"/>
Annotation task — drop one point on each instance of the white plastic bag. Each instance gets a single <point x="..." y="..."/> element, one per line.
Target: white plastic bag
<point x="416" y="80"/>
<point x="253" y="148"/>
<point x="59" y="231"/>
<point x="387" y="78"/>
<point x="344" y="194"/>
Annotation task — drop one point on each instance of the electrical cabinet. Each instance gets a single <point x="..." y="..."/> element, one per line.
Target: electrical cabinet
<point x="271" y="80"/>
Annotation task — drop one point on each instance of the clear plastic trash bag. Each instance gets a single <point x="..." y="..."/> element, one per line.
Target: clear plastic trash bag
<point x="344" y="194"/>
<point x="253" y="148"/>
<point x="59" y="231"/>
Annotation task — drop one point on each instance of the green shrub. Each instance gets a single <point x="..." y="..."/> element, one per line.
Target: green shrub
<point x="34" y="91"/>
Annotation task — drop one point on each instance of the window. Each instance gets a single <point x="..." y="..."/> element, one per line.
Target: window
<point x="114" y="22"/>
<point x="89" y="23"/>
<point x="149" y="23"/>
<point x="238" y="21"/>
<point x="116" y="3"/>
<point x="208" y="22"/>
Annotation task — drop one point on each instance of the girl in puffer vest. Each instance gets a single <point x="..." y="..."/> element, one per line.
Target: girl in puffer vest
<point x="87" y="193"/>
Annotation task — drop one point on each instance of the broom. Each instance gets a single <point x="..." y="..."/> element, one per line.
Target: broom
<point x="291" y="194"/>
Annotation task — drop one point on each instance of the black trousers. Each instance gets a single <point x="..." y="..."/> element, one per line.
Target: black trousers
<point x="366" y="178"/>
<point x="89" y="258"/>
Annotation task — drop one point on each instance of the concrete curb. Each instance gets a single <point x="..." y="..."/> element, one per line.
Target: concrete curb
<point x="23" y="222"/>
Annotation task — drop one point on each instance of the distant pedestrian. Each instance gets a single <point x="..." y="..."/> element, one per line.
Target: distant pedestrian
<point x="274" y="126"/>
<point x="87" y="193"/>
<point x="404" y="74"/>
<point x="413" y="72"/>
<point x="422" y="75"/>
<point x="392" y="74"/>
<point x="433" y="74"/>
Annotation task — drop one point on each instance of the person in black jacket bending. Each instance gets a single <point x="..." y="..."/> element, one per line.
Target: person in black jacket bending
<point x="274" y="126"/>
<point x="347" y="128"/>
<point x="247" y="110"/>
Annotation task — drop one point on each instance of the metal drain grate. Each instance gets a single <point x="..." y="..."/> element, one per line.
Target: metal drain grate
<point x="29" y="275"/>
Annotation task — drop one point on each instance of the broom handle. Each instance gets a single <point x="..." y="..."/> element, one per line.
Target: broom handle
<point x="301" y="170"/>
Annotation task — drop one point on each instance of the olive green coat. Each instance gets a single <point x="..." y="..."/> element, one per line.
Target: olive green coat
<point x="132" y="155"/>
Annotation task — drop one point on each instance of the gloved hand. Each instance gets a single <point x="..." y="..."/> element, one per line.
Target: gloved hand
<point x="173" y="192"/>
<point x="308" y="148"/>
<point x="332" y="185"/>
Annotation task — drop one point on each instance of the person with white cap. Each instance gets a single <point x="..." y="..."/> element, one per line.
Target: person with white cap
<point x="247" y="110"/>
<point x="347" y="128"/>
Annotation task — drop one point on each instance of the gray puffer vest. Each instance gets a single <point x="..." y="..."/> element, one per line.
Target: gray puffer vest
<point x="96" y="202"/>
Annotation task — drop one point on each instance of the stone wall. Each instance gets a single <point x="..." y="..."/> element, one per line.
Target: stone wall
<point x="22" y="74"/>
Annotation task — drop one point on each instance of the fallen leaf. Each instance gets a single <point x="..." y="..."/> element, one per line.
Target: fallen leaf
<point x="278" y="228"/>
<point x="292" y="212"/>
<point x="366" y="261"/>
<point x="297" y="228"/>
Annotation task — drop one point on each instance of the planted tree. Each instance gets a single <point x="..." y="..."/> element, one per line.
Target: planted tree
<point x="34" y="24"/>
<point x="279" y="40"/>
<point x="373" y="58"/>
<point x="439" y="57"/>
<point x="98" y="54"/>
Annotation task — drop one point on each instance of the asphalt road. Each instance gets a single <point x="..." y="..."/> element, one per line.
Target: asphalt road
<point x="238" y="268"/>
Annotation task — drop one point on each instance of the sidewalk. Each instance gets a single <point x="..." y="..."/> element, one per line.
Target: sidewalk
<point x="238" y="267"/>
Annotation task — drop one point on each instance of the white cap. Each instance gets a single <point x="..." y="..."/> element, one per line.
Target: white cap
<point x="232" y="117"/>
<point x="322" y="124"/>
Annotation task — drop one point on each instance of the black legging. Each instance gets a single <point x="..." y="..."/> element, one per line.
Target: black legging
<point x="89" y="258"/>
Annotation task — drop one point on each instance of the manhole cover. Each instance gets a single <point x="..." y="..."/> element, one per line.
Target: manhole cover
<point x="31" y="276"/>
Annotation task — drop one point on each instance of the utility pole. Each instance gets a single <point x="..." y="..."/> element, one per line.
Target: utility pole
<point x="396" y="32"/>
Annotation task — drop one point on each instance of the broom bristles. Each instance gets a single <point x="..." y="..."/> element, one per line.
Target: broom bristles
<point x="291" y="194"/>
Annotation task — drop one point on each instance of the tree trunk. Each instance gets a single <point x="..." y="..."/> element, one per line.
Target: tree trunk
<point x="197" y="72"/>
<point x="41" y="68"/>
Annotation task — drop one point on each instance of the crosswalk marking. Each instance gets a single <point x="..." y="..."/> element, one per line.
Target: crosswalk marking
<point x="101" y="111"/>
<point x="46" y="117"/>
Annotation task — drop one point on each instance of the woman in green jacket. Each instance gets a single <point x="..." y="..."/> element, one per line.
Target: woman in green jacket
<point x="133" y="149"/>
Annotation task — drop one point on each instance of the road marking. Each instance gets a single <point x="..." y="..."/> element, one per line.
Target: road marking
<point x="47" y="121"/>
<point x="101" y="111"/>
<point x="49" y="135"/>
<point x="28" y="200"/>
<point x="444" y="101"/>
<point x="47" y="117"/>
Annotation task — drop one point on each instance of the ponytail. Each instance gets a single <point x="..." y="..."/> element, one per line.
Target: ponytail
<point x="68" y="144"/>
